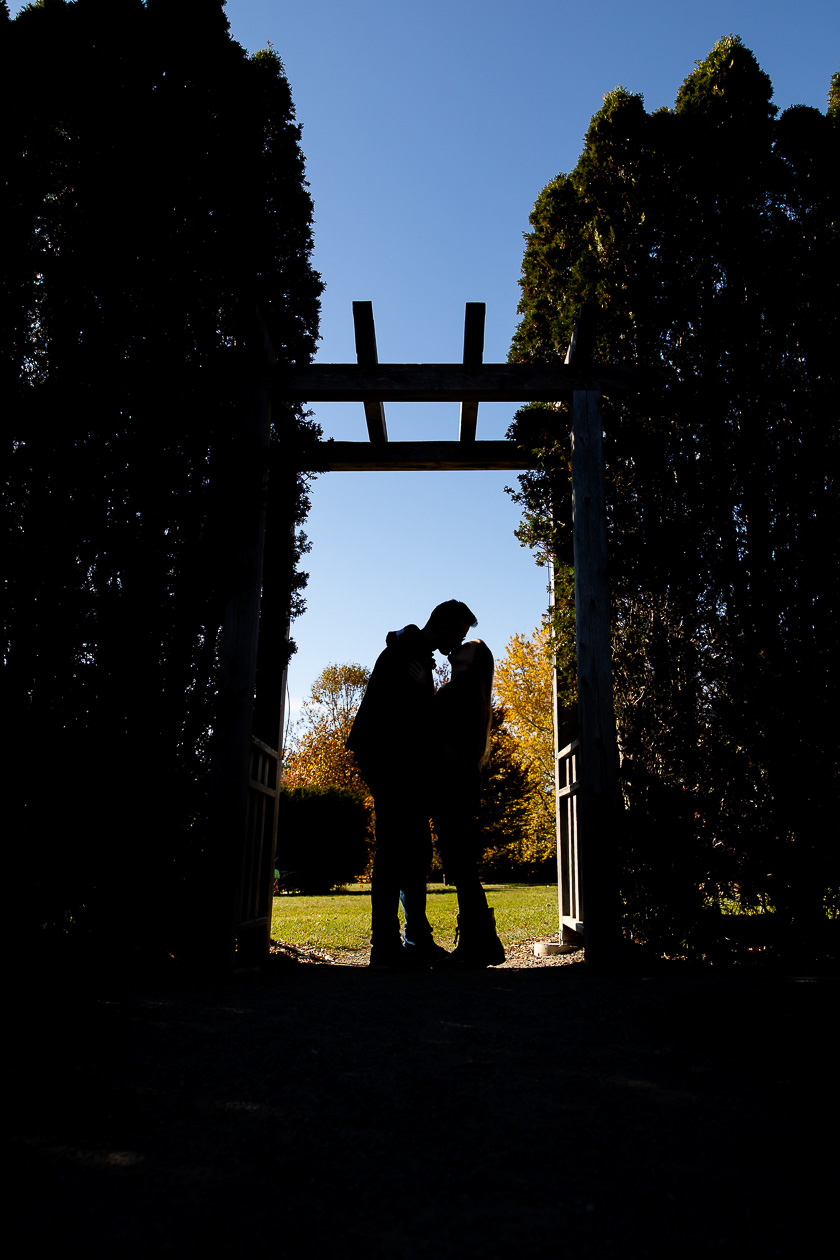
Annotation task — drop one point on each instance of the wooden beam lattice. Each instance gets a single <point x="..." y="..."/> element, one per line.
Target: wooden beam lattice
<point x="469" y="383"/>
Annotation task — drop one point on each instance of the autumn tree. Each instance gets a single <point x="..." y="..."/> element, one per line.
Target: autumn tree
<point x="706" y="237"/>
<point x="523" y="685"/>
<point x="315" y="755"/>
<point x="322" y="781"/>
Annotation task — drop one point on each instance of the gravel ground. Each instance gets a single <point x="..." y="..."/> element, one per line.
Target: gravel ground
<point x="320" y="1109"/>
<point x="517" y="956"/>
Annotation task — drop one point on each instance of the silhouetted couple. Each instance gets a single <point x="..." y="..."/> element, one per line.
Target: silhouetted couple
<point x="421" y="755"/>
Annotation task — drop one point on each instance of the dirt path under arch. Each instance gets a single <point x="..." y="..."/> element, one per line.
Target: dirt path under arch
<point x="327" y="1109"/>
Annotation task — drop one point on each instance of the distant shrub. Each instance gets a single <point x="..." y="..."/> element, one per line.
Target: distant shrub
<point x="323" y="838"/>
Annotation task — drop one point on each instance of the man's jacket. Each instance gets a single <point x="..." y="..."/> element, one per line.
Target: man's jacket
<point x="390" y="736"/>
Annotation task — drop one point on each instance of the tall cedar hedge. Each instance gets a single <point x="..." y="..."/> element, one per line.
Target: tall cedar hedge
<point x="707" y="239"/>
<point x="154" y="202"/>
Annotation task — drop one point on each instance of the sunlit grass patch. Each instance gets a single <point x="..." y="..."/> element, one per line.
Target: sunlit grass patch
<point x="341" y="920"/>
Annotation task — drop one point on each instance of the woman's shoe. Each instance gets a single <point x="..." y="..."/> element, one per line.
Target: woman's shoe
<point x="477" y="942"/>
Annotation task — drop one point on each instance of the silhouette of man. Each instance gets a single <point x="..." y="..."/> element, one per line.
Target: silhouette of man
<point x="390" y="740"/>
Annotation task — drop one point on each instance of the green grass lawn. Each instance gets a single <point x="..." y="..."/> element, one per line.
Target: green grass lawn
<point x="342" y="919"/>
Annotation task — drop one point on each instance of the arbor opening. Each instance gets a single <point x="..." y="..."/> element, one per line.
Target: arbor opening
<point x="592" y="792"/>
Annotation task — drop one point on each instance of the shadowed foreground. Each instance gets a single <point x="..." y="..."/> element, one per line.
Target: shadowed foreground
<point x="327" y="1108"/>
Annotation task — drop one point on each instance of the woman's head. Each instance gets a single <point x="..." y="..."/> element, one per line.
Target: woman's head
<point x="473" y="657"/>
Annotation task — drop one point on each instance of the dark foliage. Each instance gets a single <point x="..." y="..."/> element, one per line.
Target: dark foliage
<point x="324" y="836"/>
<point x="153" y="203"/>
<point x="510" y="848"/>
<point x="707" y="238"/>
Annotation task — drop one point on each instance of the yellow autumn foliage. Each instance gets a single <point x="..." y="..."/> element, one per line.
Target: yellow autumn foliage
<point x="315" y="754"/>
<point x="523" y="687"/>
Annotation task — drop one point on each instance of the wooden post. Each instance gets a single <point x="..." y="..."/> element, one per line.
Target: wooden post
<point x="598" y="797"/>
<point x="566" y="749"/>
<point x="237" y="680"/>
<point x="473" y="357"/>
<point x="366" y="356"/>
<point x="562" y="865"/>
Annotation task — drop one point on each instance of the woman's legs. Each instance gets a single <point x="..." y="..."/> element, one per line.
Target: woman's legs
<point x="460" y="850"/>
<point x="472" y="900"/>
<point x="478" y="943"/>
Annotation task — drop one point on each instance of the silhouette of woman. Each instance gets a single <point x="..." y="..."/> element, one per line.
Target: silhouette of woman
<point x="463" y="713"/>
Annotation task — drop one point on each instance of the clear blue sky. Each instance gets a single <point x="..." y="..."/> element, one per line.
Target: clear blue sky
<point x="429" y="131"/>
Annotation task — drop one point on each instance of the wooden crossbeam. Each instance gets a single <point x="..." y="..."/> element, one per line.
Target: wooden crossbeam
<point x="418" y="457"/>
<point x="473" y="356"/>
<point x="442" y="382"/>
<point x="366" y="356"/>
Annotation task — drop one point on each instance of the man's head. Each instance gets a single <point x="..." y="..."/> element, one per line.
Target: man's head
<point x="449" y="624"/>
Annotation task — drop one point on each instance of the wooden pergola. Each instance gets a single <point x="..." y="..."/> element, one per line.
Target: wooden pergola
<point x="587" y="794"/>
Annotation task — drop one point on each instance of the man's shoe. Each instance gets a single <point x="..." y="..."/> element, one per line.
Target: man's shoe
<point x="427" y="953"/>
<point x="395" y="958"/>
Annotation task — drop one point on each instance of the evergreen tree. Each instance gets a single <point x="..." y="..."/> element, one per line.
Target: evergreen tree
<point x="157" y="222"/>
<point x="509" y="847"/>
<point x="707" y="238"/>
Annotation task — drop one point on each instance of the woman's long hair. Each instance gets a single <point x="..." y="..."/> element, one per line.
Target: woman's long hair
<point x="469" y="699"/>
